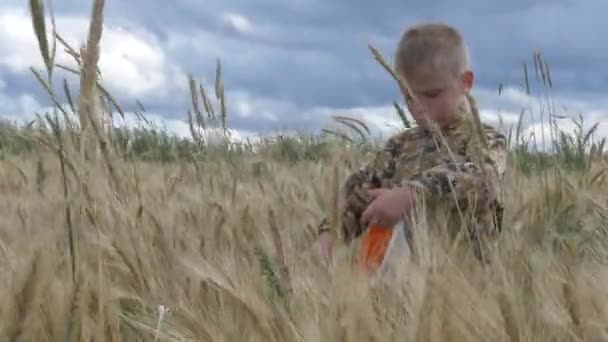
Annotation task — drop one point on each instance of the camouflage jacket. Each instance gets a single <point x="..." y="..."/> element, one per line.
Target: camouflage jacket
<point x="452" y="169"/>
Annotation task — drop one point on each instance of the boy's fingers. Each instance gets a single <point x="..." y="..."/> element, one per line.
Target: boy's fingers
<point x="365" y="217"/>
<point x="370" y="217"/>
<point x="370" y="222"/>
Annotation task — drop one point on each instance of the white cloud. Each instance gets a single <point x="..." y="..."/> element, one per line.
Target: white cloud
<point x="20" y="108"/>
<point x="237" y="22"/>
<point x="247" y="106"/>
<point x="381" y="120"/>
<point x="543" y="137"/>
<point x="17" y="41"/>
<point x="179" y="127"/>
<point x="132" y="63"/>
<point x="506" y="111"/>
<point x="564" y="112"/>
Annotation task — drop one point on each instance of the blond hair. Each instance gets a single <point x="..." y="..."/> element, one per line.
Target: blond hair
<point x="435" y="44"/>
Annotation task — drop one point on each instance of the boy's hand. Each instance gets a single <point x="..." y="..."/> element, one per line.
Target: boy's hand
<point x="387" y="206"/>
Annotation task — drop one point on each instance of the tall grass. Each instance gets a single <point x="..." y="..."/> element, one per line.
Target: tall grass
<point x="167" y="239"/>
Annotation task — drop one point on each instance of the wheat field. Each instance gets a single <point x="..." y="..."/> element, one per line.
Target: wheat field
<point x="133" y="235"/>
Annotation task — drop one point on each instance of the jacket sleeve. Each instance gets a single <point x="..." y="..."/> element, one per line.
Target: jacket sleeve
<point x="355" y="198"/>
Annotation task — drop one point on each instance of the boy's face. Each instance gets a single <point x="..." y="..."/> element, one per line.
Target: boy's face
<point x="436" y="94"/>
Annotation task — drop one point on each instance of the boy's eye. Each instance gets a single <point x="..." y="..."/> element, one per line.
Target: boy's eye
<point x="432" y="94"/>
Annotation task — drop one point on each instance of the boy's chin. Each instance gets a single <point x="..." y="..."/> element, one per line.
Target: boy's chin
<point x="423" y="122"/>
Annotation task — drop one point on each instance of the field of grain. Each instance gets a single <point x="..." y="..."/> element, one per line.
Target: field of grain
<point x="133" y="235"/>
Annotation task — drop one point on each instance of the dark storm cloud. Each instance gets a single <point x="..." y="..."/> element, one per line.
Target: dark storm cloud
<point x="314" y="53"/>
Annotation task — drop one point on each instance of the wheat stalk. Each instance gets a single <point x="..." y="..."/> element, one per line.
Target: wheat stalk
<point x="88" y="79"/>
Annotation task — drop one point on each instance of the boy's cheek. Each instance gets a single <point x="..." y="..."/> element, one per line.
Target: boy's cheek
<point x="419" y="111"/>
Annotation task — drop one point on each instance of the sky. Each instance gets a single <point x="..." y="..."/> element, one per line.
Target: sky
<point x="292" y="64"/>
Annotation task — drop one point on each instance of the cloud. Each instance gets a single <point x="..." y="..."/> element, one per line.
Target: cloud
<point x="21" y="108"/>
<point x="542" y="137"/>
<point x="237" y="22"/>
<point x="292" y="64"/>
<point x="181" y="128"/>
<point x="133" y="63"/>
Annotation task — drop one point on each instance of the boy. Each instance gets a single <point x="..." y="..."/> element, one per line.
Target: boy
<point x="447" y="161"/>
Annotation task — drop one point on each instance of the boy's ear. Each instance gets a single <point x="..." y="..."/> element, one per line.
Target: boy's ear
<point x="468" y="78"/>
